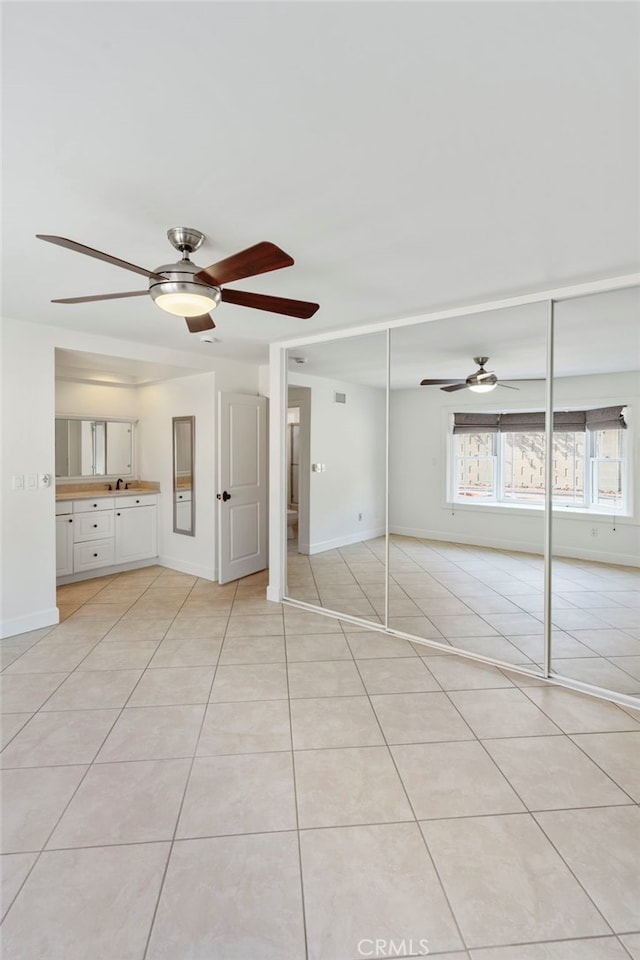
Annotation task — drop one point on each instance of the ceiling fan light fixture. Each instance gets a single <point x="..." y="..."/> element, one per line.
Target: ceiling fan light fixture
<point x="182" y="300"/>
<point x="482" y="387"/>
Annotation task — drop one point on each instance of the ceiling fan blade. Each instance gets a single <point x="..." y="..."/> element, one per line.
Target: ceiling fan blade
<point x="98" y="255"/>
<point x="431" y="383"/>
<point x="455" y="386"/>
<point x="289" y="308"/>
<point x="261" y="258"/>
<point x="507" y="387"/>
<point x="198" y="324"/>
<point x="104" y="296"/>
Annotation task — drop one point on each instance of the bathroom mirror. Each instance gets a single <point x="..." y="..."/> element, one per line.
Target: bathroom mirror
<point x="336" y="477"/>
<point x="183" y="475"/>
<point x="595" y="575"/>
<point x="94" y="447"/>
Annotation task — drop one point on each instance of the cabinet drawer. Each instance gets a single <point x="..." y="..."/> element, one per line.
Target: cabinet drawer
<point x="92" y="526"/>
<point x="136" y="500"/>
<point x="99" y="553"/>
<point x="63" y="506"/>
<point x="97" y="503"/>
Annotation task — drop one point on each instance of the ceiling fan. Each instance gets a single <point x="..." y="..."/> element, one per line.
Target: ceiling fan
<point x="187" y="290"/>
<point x="482" y="381"/>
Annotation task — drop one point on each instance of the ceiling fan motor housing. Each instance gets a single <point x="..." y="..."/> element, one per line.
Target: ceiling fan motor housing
<point x="179" y="280"/>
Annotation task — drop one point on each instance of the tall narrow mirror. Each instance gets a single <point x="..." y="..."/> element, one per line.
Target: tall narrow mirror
<point x="335" y="475"/>
<point x="466" y="485"/>
<point x="183" y="475"/>
<point x="596" y="548"/>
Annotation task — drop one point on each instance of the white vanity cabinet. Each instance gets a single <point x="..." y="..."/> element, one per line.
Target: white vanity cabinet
<point x="97" y="532"/>
<point x="136" y="528"/>
<point x="64" y="538"/>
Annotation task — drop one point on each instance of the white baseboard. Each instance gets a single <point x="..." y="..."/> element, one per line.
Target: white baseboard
<point x="28" y="622"/>
<point x="274" y="594"/>
<point x="521" y="546"/>
<point x="184" y="566"/>
<point x="323" y="545"/>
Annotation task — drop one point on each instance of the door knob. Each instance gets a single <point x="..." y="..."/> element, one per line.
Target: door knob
<point x="224" y="496"/>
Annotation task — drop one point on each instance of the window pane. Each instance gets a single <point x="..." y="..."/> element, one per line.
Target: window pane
<point x="568" y="468"/>
<point x="524" y="467"/>
<point x="475" y="478"/>
<point x="475" y="444"/>
<point x="607" y="483"/>
<point x="607" y="443"/>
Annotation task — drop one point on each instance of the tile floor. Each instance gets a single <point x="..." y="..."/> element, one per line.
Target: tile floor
<point x="488" y="602"/>
<point x="192" y="773"/>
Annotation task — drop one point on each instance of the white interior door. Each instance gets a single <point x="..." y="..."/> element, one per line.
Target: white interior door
<point x="242" y="486"/>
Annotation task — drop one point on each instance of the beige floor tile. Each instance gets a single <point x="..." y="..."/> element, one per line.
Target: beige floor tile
<point x="14" y="868"/>
<point x="256" y="912"/>
<point x="165" y="686"/>
<point x="348" y="786"/>
<point x="599" y="948"/>
<point x="298" y="622"/>
<point x="514" y="624"/>
<point x="317" y="646"/>
<point x="10" y="725"/>
<point x="27" y="692"/>
<point x="129" y="630"/>
<point x="153" y="733"/>
<point x="256" y="608"/>
<point x="252" y="793"/>
<point x="564" y="645"/>
<point x="397" y="675"/>
<point x="197" y="628"/>
<point x="67" y="737"/>
<point x="465" y="625"/>
<point x="502" y="713"/>
<point x="261" y="681"/>
<point x="372" y="644"/>
<point x="334" y="722"/>
<point x="506" y="883"/>
<point x="255" y="649"/>
<point x="579" y="713"/>
<point x="32" y="802"/>
<point x="65" y="610"/>
<point x="498" y="648"/>
<point x="187" y="653"/>
<point x="124" y="803"/>
<point x="95" y="902"/>
<point x="371" y="882"/>
<point x="618" y="754"/>
<point x="608" y="642"/>
<point x="629" y="665"/>
<point x="453" y="780"/>
<point x="79" y="629"/>
<point x="327" y="678"/>
<point x="51" y="658"/>
<point x="101" y="611"/>
<point x="416" y="627"/>
<point x="607" y="864"/>
<point x="632" y="943"/>
<point x="551" y="773"/>
<point x="150" y="608"/>
<point x="419" y="718"/>
<point x="255" y="726"/>
<point x="594" y="670"/>
<point x="119" y="655"/>
<point x="254" y="626"/>
<point x="448" y="606"/>
<point x="91" y="690"/>
<point x="456" y="673"/>
<point x="205" y="607"/>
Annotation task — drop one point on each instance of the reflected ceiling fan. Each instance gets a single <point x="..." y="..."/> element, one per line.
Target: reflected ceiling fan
<point x="187" y="290"/>
<point x="482" y="381"/>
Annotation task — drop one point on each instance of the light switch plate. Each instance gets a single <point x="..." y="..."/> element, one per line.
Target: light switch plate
<point x="18" y="481"/>
<point x="31" y="481"/>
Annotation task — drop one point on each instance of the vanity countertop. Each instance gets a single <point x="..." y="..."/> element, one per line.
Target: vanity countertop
<point x="85" y="491"/>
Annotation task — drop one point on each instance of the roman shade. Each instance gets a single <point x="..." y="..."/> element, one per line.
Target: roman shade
<point x="564" y="421"/>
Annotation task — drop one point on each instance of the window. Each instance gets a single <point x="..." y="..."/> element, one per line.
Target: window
<point x="500" y="458"/>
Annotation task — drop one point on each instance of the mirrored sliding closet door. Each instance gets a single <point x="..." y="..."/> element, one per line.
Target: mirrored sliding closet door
<point x="335" y="475"/>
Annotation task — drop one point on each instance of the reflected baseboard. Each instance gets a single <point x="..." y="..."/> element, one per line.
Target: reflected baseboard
<point x="372" y="533"/>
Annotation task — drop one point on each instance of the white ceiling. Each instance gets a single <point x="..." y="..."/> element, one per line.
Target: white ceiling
<point x="408" y="155"/>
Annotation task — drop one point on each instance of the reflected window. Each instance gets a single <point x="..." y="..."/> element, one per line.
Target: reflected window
<point x="505" y="464"/>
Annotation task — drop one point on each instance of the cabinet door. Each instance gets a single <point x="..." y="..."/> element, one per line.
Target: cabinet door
<point x="136" y="534"/>
<point x="64" y="546"/>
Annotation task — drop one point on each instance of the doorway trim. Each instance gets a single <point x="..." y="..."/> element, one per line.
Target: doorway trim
<point x="300" y="397"/>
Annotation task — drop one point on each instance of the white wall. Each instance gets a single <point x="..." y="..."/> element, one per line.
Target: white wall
<point x="27" y="547"/>
<point x="95" y="400"/>
<point x="350" y="440"/>
<point x="418" y="507"/>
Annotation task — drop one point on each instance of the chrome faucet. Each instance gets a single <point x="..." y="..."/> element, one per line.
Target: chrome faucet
<point x="118" y="483"/>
